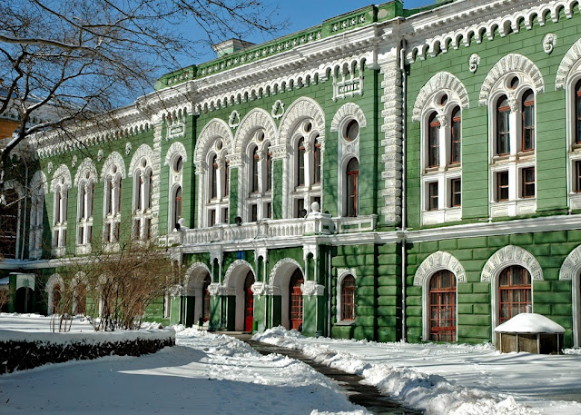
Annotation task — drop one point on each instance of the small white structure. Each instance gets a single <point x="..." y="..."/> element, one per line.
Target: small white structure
<point x="529" y="332"/>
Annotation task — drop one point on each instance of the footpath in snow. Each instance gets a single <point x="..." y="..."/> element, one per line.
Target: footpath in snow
<point x="204" y="374"/>
<point x="452" y="379"/>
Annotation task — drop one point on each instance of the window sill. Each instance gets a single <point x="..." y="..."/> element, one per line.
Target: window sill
<point x="434" y="217"/>
<point x="345" y="323"/>
<point x="513" y="207"/>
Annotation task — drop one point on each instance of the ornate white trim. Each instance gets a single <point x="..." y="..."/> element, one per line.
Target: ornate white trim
<point x="300" y="109"/>
<point x="62" y="175"/>
<point x="194" y="270"/>
<point x="234" y="119"/>
<point x="86" y="165"/>
<point x="255" y="119"/>
<point x="511" y="255"/>
<point x="49" y="288"/>
<point x="549" y="43"/>
<point x="513" y="62"/>
<point x="571" y="266"/>
<point x="277" y="109"/>
<point x="175" y="149"/>
<point x="233" y="267"/>
<point x="215" y="129"/>
<point x="569" y="65"/>
<point x="114" y="159"/>
<point x="507" y="18"/>
<point x="277" y="272"/>
<point x="39" y="182"/>
<point x="348" y="111"/>
<point x="436" y="262"/>
<point x="144" y="151"/>
<point x="311" y="288"/>
<point x="473" y="62"/>
<point x="440" y="82"/>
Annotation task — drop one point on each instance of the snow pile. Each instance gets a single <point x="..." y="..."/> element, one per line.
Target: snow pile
<point x="428" y="392"/>
<point x="529" y="323"/>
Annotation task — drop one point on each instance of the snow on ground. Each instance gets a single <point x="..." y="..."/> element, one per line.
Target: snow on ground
<point x="452" y="379"/>
<point x="203" y="374"/>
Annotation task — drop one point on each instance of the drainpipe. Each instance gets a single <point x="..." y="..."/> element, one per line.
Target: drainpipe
<point x="402" y="52"/>
<point x="329" y="292"/>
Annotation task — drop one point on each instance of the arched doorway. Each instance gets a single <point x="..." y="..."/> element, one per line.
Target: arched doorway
<point x="24" y="298"/>
<point x="296" y="300"/>
<point x="248" y="302"/>
<point x="443" y="307"/>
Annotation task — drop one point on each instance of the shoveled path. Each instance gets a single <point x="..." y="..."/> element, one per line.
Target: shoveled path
<point x="364" y="395"/>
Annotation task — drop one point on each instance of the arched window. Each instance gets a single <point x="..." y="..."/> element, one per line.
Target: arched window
<point x="352" y="194"/>
<point x="60" y="217"/>
<point x="502" y="126"/>
<point x="254" y="173"/>
<point x="177" y="205"/>
<point x="268" y="172"/>
<point x="433" y="141"/>
<point x="317" y="162"/>
<point x="456" y="136"/>
<point x="85" y="212"/>
<point x="226" y="181"/>
<point x="9" y="224"/>
<point x="528" y="121"/>
<point x="578" y="112"/>
<point x="296" y="300"/>
<point x="214" y="177"/>
<point x="442" y="307"/>
<point x="348" y="298"/>
<point x="514" y="292"/>
<point x="112" y="220"/>
<point x="300" y="162"/>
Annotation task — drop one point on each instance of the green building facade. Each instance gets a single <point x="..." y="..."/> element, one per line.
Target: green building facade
<point x="389" y="174"/>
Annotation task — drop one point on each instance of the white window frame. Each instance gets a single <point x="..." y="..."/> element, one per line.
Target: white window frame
<point x="262" y="197"/>
<point x="221" y="201"/>
<point x="516" y="160"/>
<point x="445" y="172"/>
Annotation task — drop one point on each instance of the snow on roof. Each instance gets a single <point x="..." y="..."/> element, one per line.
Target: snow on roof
<point x="529" y="323"/>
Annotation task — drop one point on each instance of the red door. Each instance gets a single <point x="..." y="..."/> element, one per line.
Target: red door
<point x="296" y="301"/>
<point x="248" y="302"/>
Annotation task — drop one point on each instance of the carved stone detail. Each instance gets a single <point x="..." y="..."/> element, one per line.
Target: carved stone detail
<point x="572" y="265"/>
<point x="437" y="83"/>
<point x="569" y="64"/>
<point x="473" y="62"/>
<point x="277" y="109"/>
<point x="436" y="262"/>
<point x="549" y="43"/>
<point x="234" y="119"/>
<point x="311" y="288"/>
<point x="511" y="255"/>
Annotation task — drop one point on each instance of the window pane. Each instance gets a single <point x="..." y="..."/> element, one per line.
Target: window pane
<point x="455" y="138"/>
<point x="442" y="306"/>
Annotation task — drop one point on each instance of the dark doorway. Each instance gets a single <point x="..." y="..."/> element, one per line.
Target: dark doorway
<point x="296" y="300"/>
<point x="248" y="302"/>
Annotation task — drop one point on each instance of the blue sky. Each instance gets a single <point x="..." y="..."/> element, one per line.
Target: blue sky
<point x="300" y="14"/>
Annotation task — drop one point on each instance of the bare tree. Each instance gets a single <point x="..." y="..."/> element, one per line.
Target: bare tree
<point x="118" y="282"/>
<point x="63" y="62"/>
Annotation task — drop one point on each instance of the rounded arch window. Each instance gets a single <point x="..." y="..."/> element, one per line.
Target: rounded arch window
<point x="514" y="292"/>
<point x="178" y="164"/>
<point x="442" y="306"/>
<point x="348" y="298"/>
<point x="351" y="130"/>
<point x="513" y="82"/>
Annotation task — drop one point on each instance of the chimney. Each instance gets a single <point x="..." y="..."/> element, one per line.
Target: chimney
<point x="230" y="46"/>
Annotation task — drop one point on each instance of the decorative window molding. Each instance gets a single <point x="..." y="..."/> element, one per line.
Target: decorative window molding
<point x="60" y="186"/>
<point x="442" y="82"/>
<point x="439" y="109"/>
<point x="304" y="121"/>
<point x="438" y="261"/>
<point x="213" y="157"/>
<point x="510" y="91"/>
<point x="234" y="268"/>
<point x="38" y="191"/>
<point x="341" y="274"/>
<point x="85" y="181"/>
<point x="112" y="176"/>
<point x="511" y="255"/>
<point x="571" y="271"/>
<point x="281" y="273"/>
<point x="54" y="282"/>
<point x="569" y="66"/>
<point x="515" y="64"/>
<point x="348" y="79"/>
<point x="141" y="169"/>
